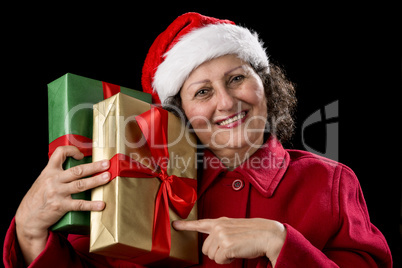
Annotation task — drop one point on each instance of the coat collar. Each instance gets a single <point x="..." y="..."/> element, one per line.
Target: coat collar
<point x="264" y="169"/>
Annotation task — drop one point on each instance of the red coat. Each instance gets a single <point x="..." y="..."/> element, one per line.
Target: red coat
<point x="319" y="201"/>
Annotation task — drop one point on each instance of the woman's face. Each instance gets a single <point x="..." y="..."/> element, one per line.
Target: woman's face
<point x="224" y="101"/>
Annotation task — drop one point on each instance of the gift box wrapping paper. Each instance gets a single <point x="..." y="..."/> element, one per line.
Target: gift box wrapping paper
<point x="148" y="159"/>
<point x="70" y="103"/>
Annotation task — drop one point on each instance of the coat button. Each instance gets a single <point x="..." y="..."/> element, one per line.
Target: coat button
<point x="237" y="185"/>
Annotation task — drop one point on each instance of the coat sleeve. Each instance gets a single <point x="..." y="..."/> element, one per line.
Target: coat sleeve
<point x="57" y="253"/>
<point x="61" y="252"/>
<point x="356" y="243"/>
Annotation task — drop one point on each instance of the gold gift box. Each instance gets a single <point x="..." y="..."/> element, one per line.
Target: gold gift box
<point x="124" y="228"/>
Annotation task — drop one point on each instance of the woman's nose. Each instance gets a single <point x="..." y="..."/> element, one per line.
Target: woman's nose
<point x="225" y="99"/>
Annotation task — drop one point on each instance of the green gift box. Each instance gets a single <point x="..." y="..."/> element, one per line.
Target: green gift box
<point x="70" y="102"/>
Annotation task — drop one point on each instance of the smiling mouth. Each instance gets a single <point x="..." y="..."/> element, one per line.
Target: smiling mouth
<point x="232" y="119"/>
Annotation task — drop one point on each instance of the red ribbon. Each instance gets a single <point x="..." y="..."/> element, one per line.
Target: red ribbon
<point x="83" y="143"/>
<point x="109" y="89"/>
<point x="178" y="192"/>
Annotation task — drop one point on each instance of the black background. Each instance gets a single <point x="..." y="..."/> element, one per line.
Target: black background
<point x="333" y="53"/>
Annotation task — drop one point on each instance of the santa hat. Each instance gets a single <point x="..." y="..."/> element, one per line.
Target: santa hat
<point x="189" y="41"/>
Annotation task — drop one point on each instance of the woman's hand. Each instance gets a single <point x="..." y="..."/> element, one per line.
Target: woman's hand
<point x="49" y="198"/>
<point x="238" y="238"/>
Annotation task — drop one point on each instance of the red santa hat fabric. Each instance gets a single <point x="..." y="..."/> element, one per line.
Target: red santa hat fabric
<point x="189" y="41"/>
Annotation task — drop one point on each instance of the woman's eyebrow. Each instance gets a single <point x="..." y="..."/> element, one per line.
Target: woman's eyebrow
<point x="231" y="70"/>
<point x="206" y="80"/>
<point x="198" y="82"/>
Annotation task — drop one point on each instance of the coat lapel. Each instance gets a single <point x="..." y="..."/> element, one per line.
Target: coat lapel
<point x="264" y="169"/>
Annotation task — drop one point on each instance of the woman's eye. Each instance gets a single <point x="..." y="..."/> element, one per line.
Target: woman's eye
<point x="201" y="92"/>
<point x="237" y="78"/>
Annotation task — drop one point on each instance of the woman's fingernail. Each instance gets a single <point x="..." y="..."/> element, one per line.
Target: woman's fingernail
<point x="105" y="176"/>
<point x="176" y="224"/>
<point x="100" y="206"/>
<point x="105" y="163"/>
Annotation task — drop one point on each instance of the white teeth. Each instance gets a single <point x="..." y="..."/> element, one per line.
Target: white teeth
<point x="232" y="119"/>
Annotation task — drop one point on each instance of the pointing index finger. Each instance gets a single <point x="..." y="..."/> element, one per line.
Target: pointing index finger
<point x="202" y="226"/>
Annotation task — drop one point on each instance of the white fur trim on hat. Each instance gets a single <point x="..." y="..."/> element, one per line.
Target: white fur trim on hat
<point x="201" y="45"/>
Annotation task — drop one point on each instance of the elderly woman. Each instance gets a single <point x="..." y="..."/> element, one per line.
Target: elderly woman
<point x="259" y="204"/>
